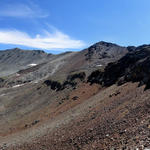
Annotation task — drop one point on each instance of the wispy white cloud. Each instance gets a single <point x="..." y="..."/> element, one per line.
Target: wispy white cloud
<point x="48" y="40"/>
<point x="22" y="10"/>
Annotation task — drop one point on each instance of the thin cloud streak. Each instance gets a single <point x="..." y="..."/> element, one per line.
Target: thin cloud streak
<point x="22" y="10"/>
<point x="49" y="41"/>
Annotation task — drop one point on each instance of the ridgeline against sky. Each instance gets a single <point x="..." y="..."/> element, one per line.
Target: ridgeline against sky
<point x="72" y="25"/>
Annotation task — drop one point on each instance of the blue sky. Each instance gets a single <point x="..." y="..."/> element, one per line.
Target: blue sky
<point x="61" y="25"/>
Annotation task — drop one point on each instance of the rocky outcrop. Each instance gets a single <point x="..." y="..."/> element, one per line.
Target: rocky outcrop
<point x="80" y="76"/>
<point x="54" y="85"/>
<point x="71" y="81"/>
<point x="134" y="67"/>
<point x="1" y="82"/>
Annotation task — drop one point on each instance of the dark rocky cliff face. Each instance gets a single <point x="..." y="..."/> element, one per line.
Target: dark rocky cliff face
<point x="134" y="67"/>
<point x="71" y="81"/>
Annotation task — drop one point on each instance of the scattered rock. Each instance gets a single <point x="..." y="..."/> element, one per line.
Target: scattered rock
<point x="75" y="98"/>
<point x="35" y="122"/>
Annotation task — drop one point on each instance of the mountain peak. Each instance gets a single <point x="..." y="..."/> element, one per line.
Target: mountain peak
<point x="103" y="50"/>
<point x="16" y="49"/>
<point x="107" y="44"/>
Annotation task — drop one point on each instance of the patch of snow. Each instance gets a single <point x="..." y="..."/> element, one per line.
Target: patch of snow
<point x="18" y="85"/>
<point x="32" y="65"/>
<point x="99" y="65"/>
<point x="35" y="82"/>
<point x="17" y="74"/>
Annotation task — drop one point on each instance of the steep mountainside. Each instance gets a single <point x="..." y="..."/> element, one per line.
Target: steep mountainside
<point x="16" y="59"/>
<point x="80" y="105"/>
<point x="96" y="56"/>
<point x="19" y="64"/>
<point x="104" y="50"/>
<point x="134" y="67"/>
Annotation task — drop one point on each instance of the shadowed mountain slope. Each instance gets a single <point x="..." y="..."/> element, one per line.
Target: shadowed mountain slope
<point x="134" y="67"/>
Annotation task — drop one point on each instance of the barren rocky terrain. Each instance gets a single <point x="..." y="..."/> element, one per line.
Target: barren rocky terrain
<point x="95" y="99"/>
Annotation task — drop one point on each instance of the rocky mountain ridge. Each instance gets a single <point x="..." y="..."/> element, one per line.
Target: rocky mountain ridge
<point x="18" y="65"/>
<point x="13" y="60"/>
<point x="133" y="67"/>
<point x="98" y="98"/>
